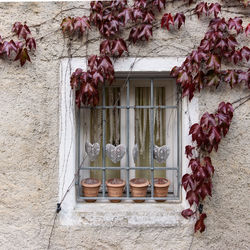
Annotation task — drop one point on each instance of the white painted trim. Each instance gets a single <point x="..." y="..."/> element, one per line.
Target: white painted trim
<point x="72" y="213"/>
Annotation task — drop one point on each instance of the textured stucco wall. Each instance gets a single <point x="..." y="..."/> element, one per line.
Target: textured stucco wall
<point x="29" y="112"/>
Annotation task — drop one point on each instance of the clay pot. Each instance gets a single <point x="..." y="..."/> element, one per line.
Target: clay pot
<point x="138" y="188"/>
<point x="90" y="188"/>
<point x="161" y="188"/>
<point x="115" y="188"/>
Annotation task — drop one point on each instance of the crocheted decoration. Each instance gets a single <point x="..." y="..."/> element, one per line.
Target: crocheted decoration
<point x="115" y="154"/>
<point x="92" y="150"/>
<point x="161" y="153"/>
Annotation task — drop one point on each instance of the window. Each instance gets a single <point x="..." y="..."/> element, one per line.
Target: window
<point x="73" y="212"/>
<point x="141" y="114"/>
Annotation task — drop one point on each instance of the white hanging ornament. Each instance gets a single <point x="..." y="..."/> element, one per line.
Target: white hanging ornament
<point x="161" y="153"/>
<point x="115" y="154"/>
<point x="92" y="150"/>
<point x="135" y="152"/>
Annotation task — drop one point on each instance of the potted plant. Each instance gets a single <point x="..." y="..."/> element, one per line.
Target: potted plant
<point x="139" y="188"/>
<point x="115" y="188"/>
<point x="90" y="188"/>
<point x="161" y="188"/>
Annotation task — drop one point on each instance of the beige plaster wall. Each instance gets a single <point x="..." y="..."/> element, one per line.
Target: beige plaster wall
<point x="29" y="124"/>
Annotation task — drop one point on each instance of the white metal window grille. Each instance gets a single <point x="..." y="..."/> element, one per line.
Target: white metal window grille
<point x="139" y="113"/>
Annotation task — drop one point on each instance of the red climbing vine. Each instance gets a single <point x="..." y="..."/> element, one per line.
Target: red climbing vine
<point x="18" y="50"/>
<point x="203" y="67"/>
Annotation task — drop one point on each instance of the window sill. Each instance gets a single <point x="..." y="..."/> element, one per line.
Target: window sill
<point x="127" y="215"/>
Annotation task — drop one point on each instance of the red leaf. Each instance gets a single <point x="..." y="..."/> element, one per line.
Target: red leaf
<point x="7" y="47"/>
<point x="214" y="35"/>
<point x="31" y="43"/>
<point x="214" y="137"/>
<point x="183" y="77"/>
<point x="194" y="164"/>
<point x="175" y="71"/>
<point x="199" y="225"/>
<point x="23" y="56"/>
<point x="235" y="23"/>
<point x="134" y="33"/>
<point x="243" y="77"/>
<point x="208" y="165"/>
<point x="105" y="47"/>
<point x="231" y="42"/>
<point x="118" y="3"/>
<point x="205" y="45"/>
<point x="218" y="24"/>
<point x="199" y="80"/>
<point x="222" y="44"/>
<point x="245" y="52"/>
<point x="192" y="197"/>
<point x="119" y="47"/>
<point x="148" y="17"/>
<point x="213" y="78"/>
<point x="110" y="27"/>
<point x="200" y="173"/>
<point x="92" y="62"/>
<point x="75" y="78"/>
<point x="214" y="62"/>
<point x="21" y="30"/>
<point x="140" y="3"/>
<point x="214" y="8"/>
<point x="197" y="133"/>
<point x="96" y="5"/>
<point x="125" y="15"/>
<point x="137" y="14"/>
<point x="231" y="77"/>
<point x="97" y="77"/>
<point x="204" y="189"/>
<point x="81" y="24"/>
<point x="179" y="19"/>
<point x="167" y="20"/>
<point x="188" y="90"/>
<point x="247" y="30"/>
<point x="226" y="108"/>
<point x="187" y="213"/>
<point x="188" y="151"/>
<point x="145" y="31"/>
<point x="67" y="25"/>
<point x="236" y="56"/>
<point x="201" y="8"/>
<point x="160" y="4"/>
<point x="188" y="180"/>
<point x="207" y="120"/>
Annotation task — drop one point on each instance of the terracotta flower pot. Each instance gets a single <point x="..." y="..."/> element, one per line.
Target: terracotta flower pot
<point x="115" y="188"/>
<point x="138" y="188"/>
<point x="161" y="188"/>
<point x="90" y="188"/>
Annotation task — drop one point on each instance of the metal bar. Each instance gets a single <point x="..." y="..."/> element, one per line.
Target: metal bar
<point x="178" y="144"/>
<point x="152" y="136"/>
<point x="131" y="168"/>
<point x="129" y="198"/>
<point x="79" y="151"/>
<point x="103" y="142"/>
<point x="131" y="107"/>
<point x="128" y="152"/>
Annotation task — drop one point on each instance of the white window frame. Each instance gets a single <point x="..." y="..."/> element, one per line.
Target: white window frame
<point x="109" y="213"/>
